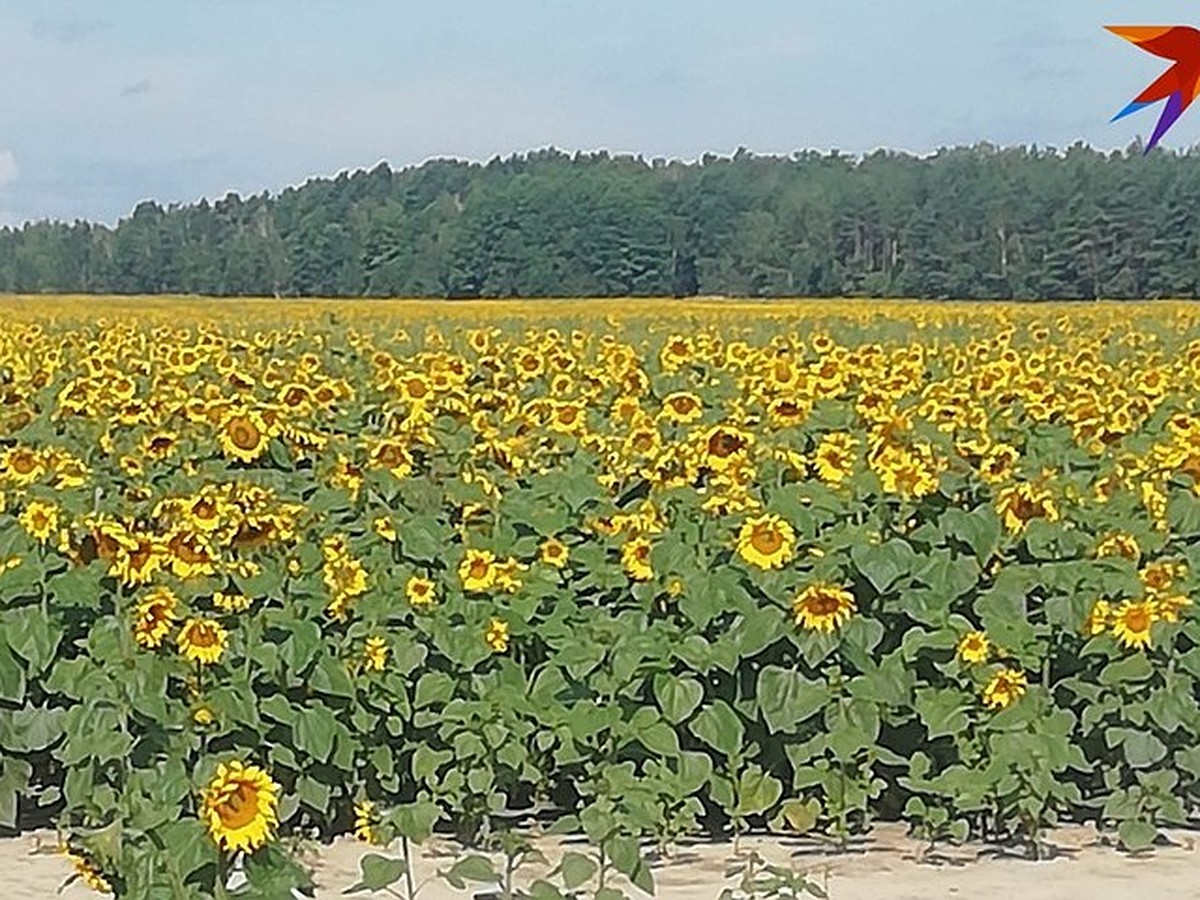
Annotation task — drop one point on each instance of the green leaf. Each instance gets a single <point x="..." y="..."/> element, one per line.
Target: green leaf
<point x="471" y="868"/>
<point x="31" y="636"/>
<point x="979" y="529"/>
<point x="677" y="696"/>
<point x="800" y="815"/>
<point x="1141" y="748"/>
<point x="577" y="869"/>
<point x="942" y="711"/>
<point x="378" y="872"/>
<point x="12" y="677"/>
<point x="1135" y="667"/>
<point x="314" y="727"/>
<point x="660" y="738"/>
<point x="719" y="727"/>
<point x="1136" y="835"/>
<point x="758" y="791"/>
<point x="628" y="860"/>
<point x="884" y="564"/>
<point x="786" y="698"/>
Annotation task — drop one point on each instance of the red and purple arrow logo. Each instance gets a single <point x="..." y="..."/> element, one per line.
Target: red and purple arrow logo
<point x="1179" y="85"/>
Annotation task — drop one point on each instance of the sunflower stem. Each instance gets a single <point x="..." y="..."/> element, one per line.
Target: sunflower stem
<point x="408" y="871"/>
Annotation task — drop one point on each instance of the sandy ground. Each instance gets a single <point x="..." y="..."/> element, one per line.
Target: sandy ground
<point x="889" y="865"/>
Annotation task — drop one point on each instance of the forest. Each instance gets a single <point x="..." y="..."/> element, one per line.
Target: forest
<point x="969" y="222"/>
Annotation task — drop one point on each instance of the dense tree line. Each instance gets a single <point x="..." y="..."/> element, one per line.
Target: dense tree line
<point x="967" y="222"/>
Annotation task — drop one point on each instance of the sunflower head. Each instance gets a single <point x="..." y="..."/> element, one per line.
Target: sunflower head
<point x="974" y="647"/>
<point x="1004" y="688"/>
<point x="823" y="607"/>
<point x="239" y="806"/>
<point x="766" y="541"/>
<point x="1131" y="622"/>
<point x="202" y="640"/>
<point x="496" y="636"/>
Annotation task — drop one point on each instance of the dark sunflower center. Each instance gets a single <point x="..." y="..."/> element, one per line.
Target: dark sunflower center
<point x="823" y="605"/>
<point x="766" y="540"/>
<point x="1137" y="620"/>
<point x="724" y="444"/>
<point x="240" y="809"/>
<point x="244" y="434"/>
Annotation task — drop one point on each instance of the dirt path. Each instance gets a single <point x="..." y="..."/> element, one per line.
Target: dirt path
<point x="887" y="866"/>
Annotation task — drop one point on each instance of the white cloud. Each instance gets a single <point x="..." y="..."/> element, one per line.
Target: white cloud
<point x="8" y="168"/>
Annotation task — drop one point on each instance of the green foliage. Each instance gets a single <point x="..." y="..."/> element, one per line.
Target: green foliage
<point x="972" y="222"/>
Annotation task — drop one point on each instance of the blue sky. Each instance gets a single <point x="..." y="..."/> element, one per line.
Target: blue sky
<point x="103" y="104"/>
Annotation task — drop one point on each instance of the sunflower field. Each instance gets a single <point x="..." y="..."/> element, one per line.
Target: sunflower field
<point x="640" y="571"/>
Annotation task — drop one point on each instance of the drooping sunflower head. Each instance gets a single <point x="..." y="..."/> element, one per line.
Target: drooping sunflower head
<point x="154" y="617"/>
<point x="823" y="607"/>
<point x="375" y="654"/>
<point x="239" y="807"/>
<point x="1169" y="608"/>
<point x="1098" y="619"/>
<point x="1119" y="544"/>
<point x="202" y="640"/>
<point x="766" y="541"/>
<point x="230" y="603"/>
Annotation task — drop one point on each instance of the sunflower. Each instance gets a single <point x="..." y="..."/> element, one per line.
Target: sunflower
<point x="385" y="529"/>
<point x="477" y="570"/>
<point x="1019" y="503"/>
<point x="496" y="636"/>
<point x="1004" y="688"/>
<point x="834" y="457"/>
<point x="1131" y="622"/>
<point x="725" y="446"/>
<point x="375" y="654"/>
<point x="553" y="552"/>
<point x="1119" y="544"/>
<point x="40" y="519"/>
<point x="1098" y="619"/>
<point x="1168" y="608"/>
<point x="21" y="466"/>
<point x="420" y="592"/>
<point x="244" y="436"/>
<point x="154" y="616"/>
<point x="1158" y="577"/>
<point x="239" y="806"/>
<point x="202" y="640"/>
<point x="365" y="818"/>
<point x="87" y="871"/>
<point x="974" y="647"/>
<point x="823" y="607"/>
<point x="635" y="557"/>
<point x="766" y="541"/>
<point x="230" y="603"/>
<point x="205" y="512"/>
<point x="682" y="407"/>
